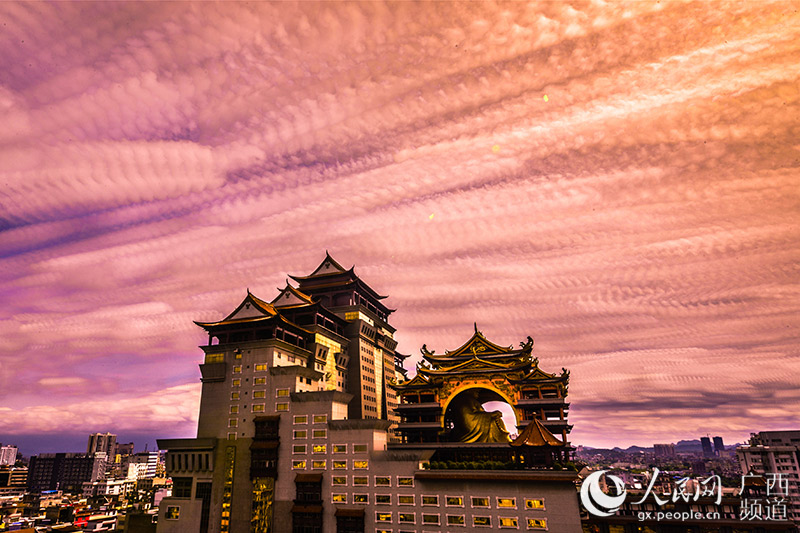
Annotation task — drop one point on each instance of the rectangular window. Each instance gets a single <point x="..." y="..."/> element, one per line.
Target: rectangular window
<point x="319" y="448"/>
<point x="298" y="465"/>
<point x="383" y="481"/>
<point x="318" y="465"/>
<point x="339" y="498"/>
<point x="456" y="520"/>
<point x="383" y="517"/>
<point x="234" y="409"/>
<point x="182" y="487"/>
<point x="237" y="369"/>
<point x="282" y="393"/>
<point x="339" y="481"/>
<point x="300" y="434"/>
<point x="507" y="522"/>
<point x="507" y="503"/>
<point x="281" y="406"/>
<point x="405" y="481"/>
<point x="359" y="448"/>
<point x="300" y="419"/>
<point x="480" y="502"/>
<point x="299" y="448"/>
<point x="405" y="499"/>
<point x="360" y="498"/>
<point x="231" y="436"/>
<point x="258" y="408"/>
<point x="340" y="448"/>
<point x="237" y="382"/>
<point x="430" y="519"/>
<point x="536" y="504"/>
<point x="320" y="433"/>
<point x="320" y="419"/>
<point x="233" y="423"/>
<point x="360" y="481"/>
<point x="173" y="513"/>
<point x="237" y="354"/>
<point x="537" y="523"/>
<point x="453" y="501"/>
<point x="407" y="518"/>
<point x="260" y="381"/>
<point x="215" y="358"/>
<point x="430" y="500"/>
<point x="361" y="465"/>
<point x="259" y="394"/>
<point x="383" y="499"/>
<point x="234" y="396"/>
<point x="261" y="367"/>
<point x="482" y="521"/>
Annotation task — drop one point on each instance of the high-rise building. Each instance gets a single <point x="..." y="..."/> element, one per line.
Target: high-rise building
<point x="102" y="443"/>
<point x="8" y="455"/>
<point x="664" y="451"/>
<point x="776" y="455"/>
<point x="719" y="447"/>
<point x="64" y="471"/>
<point x="708" y="451"/>
<point x="298" y="397"/>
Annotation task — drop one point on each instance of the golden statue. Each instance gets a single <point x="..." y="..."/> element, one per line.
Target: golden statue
<point x="471" y="422"/>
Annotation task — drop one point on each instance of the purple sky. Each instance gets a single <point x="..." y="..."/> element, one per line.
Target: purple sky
<point x="618" y="181"/>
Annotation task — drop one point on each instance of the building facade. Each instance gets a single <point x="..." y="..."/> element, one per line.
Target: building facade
<point x="102" y="443"/>
<point x="294" y="433"/>
<point x="64" y="471"/>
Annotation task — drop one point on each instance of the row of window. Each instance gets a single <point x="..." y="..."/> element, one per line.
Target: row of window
<point x="322" y="464"/>
<point x="316" y="419"/>
<point x="380" y="481"/>
<point x="237" y="382"/>
<point x="315" y="434"/>
<point x="504" y="522"/>
<point x="260" y="367"/>
<point x="410" y="499"/>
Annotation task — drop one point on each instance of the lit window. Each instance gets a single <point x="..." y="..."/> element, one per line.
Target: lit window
<point x="300" y="419"/>
<point x="454" y="501"/>
<point x="430" y="519"/>
<point x="258" y="408"/>
<point x="456" y="520"/>
<point x="537" y="523"/>
<point x="237" y="355"/>
<point x="233" y="423"/>
<point x="234" y="396"/>
<point x="340" y="448"/>
<point x="360" y="481"/>
<point x="339" y="481"/>
<point x="482" y="521"/>
<point x="259" y="394"/>
<point x="215" y="358"/>
<point x="318" y="433"/>
<point x="260" y="381"/>
<point x="383" y="517"/>
<point x="237" y="382"/>
<point x="320" y="419"/>
<point x="319" y="448"/>
<point x="405" y="481"/>
<point x="383" y="481"/>
<point x="173" y="513"/>
<point x="339" y="498"/>
<point x="261" y="367"/>
<point x="383" y="499"/>
<point x="359" y="448"/>
<point x="234" y="409"/>
<point x="430" y="500"/>
<point x="507" y="503"/>
<point x="298" y="465"/>
<point x="300" y="434"/>
<point x="299" y="448"/>
<point x="340" y="465"/>
<point x="405" y="499"/>
<point x="534" y="504"/>
<point x="318" y="465"/>
<point x="361" y="465"/>
<point x="480" y="502"/>
<point x="360" y="498"/>
<point x="282" y="393"/>
<point x="237" y="369"/>
<point x="281" y="406"/>
<point x="231" y="436"/>
<point x="407" y="518"/>
<point x="509" y="522"/>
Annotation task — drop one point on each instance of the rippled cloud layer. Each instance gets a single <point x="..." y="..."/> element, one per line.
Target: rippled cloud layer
<point x="618" y="181"/>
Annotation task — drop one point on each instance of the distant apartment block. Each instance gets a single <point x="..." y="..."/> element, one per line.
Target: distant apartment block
<point x="664" y="450"/>
<point x="102" y="443"/>
<point x="64" y="471"/>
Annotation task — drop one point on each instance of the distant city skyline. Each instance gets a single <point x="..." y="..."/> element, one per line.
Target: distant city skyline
<point x="617" y="181"/>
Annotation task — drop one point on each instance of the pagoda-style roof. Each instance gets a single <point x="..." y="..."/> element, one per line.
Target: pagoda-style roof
<point x="289" y="296"/>
<point x="251" y="308"/>
<point x="418" y="380"/>
<point x="331" y="274"/>
<point x="537" y="374"/>
<point x="535" y="434"/>
<point x="478" y="346"/>
<point x="477" y="364"/>
<point x="328" y="266"/>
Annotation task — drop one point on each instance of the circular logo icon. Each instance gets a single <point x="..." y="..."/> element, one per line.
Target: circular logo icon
<point x="598" y="502"/>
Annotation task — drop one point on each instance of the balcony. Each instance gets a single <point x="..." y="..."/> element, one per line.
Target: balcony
<point x="212" y="372"/>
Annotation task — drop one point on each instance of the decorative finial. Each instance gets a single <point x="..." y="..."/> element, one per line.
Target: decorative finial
<point x="475" y="325"/>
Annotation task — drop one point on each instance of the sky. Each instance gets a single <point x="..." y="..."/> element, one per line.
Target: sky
<point x="617" y="180"/>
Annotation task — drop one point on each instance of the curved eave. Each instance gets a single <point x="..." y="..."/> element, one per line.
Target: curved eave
<point x="207" y="325"/>
<point x="460" y="371"/>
